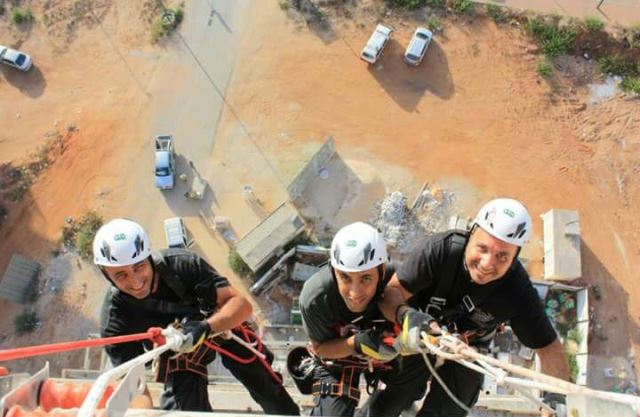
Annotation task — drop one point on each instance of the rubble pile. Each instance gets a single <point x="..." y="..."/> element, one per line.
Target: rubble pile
<point x="402" y="226"/>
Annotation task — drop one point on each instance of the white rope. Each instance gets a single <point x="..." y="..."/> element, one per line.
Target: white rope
<point x="443" y="385"/>
<point x="530" y="379"/>
<point x="174" y="340"/>
<point x="493" y="372"/>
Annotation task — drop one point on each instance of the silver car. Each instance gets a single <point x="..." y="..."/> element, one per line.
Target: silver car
<point x="418" y="46"/>
<point x="15" y="59"/>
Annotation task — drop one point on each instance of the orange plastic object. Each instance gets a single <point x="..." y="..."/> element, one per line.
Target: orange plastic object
<point x="67" y="395"/>
<point x="18" y="411"/>
<point x="3" y="371"/>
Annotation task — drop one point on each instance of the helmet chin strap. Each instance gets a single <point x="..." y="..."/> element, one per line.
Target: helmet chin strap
<point x="154" y="280"/>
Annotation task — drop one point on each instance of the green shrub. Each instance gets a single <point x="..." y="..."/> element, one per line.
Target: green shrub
<point x="593" y="24"/>
<point x="618" y="65"/>
<point x="631" y="84"/>
<point x="284" y="4"/>
<point x="436" y="4"/>
<point x="575" y="335"/>
<point x="79" y="235"/>
<point x="238" y="265"/>
<point x="409" y="4"/>
<point x="573" y="366"/>
<point x="433" y="23"/>
<point x="157" y="30"/>
<point x="496" y="13"/>
<point x="178" y="12"/>
<point x="20" y="16"/>
<point x="545" y="69"/>
<point x="165" y="24"/>
<point x="553" y="39"/>
<point x="26" y="322"/>
<point x="461" y="6"/>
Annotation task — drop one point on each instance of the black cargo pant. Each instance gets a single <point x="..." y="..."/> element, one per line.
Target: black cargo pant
<point x="405" y="383"/>
<point x="187" y="391"/>
<point x="464" y="383"/>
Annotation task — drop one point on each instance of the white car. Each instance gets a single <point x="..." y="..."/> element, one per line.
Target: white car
<point x="376" y="43"/>
<point x="15" y="59"/>
<point x="176" y="233"/>
<point x="165" y="163"/>
<point x="418" y="46"/>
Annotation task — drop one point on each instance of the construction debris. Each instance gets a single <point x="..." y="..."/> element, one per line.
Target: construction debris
<point x="402" y="226"/>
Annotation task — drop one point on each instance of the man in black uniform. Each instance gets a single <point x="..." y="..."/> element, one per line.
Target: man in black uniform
<point x="349" y="335"/>
<point x="472" y="282"/>
<point x="155" y="289"/>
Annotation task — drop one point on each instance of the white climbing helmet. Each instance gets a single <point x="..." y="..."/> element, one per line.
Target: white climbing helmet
<point x="120" y="242"/>
<point x="506" y="219"/>
<point x="358" y="247"/>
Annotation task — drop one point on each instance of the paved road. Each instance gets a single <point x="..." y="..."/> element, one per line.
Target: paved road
<point x="185" y="95"/>
<point x="625" y="12"/>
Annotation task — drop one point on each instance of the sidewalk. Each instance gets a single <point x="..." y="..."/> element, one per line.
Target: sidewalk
<point x="624" y="12"/>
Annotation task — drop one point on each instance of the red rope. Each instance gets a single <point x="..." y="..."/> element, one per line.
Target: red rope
<point x="154" y="334"/>
<point x="247" y="335"/>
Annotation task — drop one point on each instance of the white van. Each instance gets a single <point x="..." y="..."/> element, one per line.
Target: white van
<point x="176" y="233"/>
<point x="376" y="43"/>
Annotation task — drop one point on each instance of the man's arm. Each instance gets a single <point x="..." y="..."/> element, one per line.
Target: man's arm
<point x="395" y="295"/>
<point x="554" y="361"/>
<point x="334" y="348"/>
<point x="233" y="309"/>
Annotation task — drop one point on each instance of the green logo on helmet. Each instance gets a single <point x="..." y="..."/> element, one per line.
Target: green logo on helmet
<point x="509" y="213"/>
<point x="351" y="243"/>
<point x="120" y="236"/>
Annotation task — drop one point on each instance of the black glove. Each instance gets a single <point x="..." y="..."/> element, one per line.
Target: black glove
<point x="371" y="343"/>
<point x="413" y="322"/>
<point x="196" y="331"/>
<point x="555" y="401"/>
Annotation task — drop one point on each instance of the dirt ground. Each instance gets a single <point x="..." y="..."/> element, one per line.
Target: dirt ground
<point x="474" y="118"/>
<point x="78" y="84"/>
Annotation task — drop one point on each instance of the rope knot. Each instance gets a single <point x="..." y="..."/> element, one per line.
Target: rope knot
<point x="155" y="334"/>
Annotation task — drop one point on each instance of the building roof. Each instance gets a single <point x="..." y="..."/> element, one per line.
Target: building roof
<point x="269" y="236"/>
<point x="562" y="260"/>
<point x="18" y="279"/>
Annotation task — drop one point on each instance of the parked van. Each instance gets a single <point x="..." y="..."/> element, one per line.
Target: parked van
<point x="176" y="233"/>
<point x="376" y="43"/>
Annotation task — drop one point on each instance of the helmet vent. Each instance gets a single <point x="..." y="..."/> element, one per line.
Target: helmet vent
<point x="106" y="251"/>
<point x="519" y="232"/>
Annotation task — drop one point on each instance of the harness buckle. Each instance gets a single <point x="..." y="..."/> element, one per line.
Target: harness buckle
<point x="326" y="388"/>
<point x="468" y="303"/>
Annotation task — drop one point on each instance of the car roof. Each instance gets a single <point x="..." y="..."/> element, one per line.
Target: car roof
<point x="12" y="54"/>
<point x="162" y="159"/>
<point x="416" y="44"/>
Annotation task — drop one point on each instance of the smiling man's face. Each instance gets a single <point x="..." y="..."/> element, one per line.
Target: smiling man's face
<point x="135" y="280"/>
<point x="487" y="257"/>
<point x="357" y="288"/>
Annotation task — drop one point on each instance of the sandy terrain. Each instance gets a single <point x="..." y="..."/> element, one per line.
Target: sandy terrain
<point x="474" y="118"/>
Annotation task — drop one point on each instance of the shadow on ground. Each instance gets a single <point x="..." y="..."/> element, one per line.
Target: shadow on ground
<point x="406" y="84"/>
